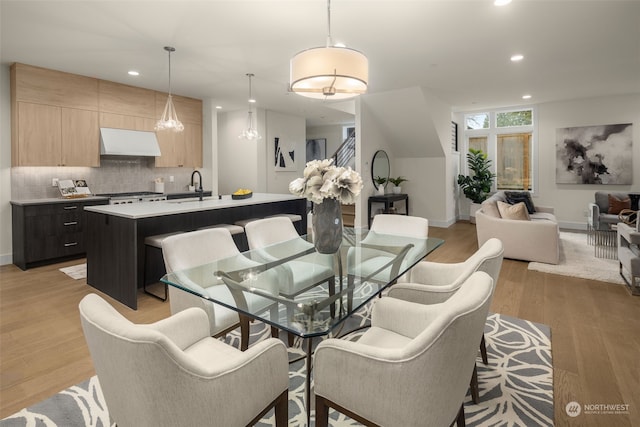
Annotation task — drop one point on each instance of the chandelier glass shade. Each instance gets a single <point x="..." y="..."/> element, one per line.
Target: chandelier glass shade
<point x="169" y="119"/>
<point x="250" y="131"/>
<point x="329" y="72"/>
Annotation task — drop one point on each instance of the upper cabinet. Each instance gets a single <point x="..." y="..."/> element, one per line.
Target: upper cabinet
<point x="126" y="100"/>
<point x="56" y="119"/>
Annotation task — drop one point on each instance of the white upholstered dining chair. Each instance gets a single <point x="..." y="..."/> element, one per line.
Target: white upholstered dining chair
<point x="420" y="355"/>
<point x="432" y="282"/>
<point x="383" y="228"/>
<point x="299" y="274"/>
<point x="187" y="250"/>
<point x="173" y="373"/>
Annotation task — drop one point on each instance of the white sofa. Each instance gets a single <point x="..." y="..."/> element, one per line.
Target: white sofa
<point x="534" y="240"/>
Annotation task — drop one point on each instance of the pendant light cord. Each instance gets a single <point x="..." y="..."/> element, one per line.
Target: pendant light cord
<point x="329" y="42"/>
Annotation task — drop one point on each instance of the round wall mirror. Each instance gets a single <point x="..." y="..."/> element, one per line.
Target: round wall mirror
<point x="380" y="167"/>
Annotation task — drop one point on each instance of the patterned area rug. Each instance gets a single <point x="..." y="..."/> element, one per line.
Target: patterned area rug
<point x="577" y="259"/>
<point x="516" y="387"/>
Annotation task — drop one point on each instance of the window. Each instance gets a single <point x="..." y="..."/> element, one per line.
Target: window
<point x="507" y="136"/>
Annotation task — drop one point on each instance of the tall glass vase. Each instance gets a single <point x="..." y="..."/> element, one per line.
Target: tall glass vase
<point x="327" y="226"/>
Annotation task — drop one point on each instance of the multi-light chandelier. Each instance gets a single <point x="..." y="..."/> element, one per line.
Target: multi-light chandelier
<point x="250" y="132"/>
<point x="169" y="119"/>
<point x="329" y="72"/>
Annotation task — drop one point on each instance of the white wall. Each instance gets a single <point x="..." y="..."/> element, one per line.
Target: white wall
<point x="238" y="158"/>
<point x="289" y="130"/>
<point x="332" y="133"/>
<point x="570" y="200"/>
<point x="250" y="164"/>
<point x="5" y="166"/>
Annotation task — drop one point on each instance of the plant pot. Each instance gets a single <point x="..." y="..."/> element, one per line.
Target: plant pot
<point x="473" y="207"/>
<point x="397" y="189"/>
<point x="380" y="191"/>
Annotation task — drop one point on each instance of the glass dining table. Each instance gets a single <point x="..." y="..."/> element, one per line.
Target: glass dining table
<point x="257" y="283"/>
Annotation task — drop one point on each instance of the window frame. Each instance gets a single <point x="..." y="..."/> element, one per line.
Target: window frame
<point x="492" y="132"/>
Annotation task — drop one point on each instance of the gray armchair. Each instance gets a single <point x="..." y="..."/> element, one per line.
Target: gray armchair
<point x="420" y="355"/>
<point x="173" y="373"/>
<point x="599" y="216"/>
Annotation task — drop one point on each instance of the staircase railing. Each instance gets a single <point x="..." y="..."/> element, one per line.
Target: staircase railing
<point x="346" y="152"/>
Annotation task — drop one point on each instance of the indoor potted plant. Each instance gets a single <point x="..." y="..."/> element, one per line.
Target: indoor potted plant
<point x="477" y="186"/>
<point x="396" y="183"/>
<point x="380" y="183"/>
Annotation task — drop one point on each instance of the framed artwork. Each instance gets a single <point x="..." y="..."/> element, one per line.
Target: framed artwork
<point x="599" y="154"/>
<point x="316" y="149"/>
<point x="284" y="155"/>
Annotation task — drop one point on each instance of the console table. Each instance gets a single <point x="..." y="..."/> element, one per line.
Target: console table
<point x="388" y="200"/>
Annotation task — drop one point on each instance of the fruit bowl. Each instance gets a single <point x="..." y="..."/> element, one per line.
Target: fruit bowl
<point x="241" y="194"/>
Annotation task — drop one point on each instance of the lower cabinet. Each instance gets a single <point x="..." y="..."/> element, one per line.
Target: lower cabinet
<point x="48" y="232"/>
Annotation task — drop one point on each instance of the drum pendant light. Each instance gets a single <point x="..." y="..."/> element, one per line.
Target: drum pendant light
<point x="169" y="119"/>
<point x="329" y="72"/>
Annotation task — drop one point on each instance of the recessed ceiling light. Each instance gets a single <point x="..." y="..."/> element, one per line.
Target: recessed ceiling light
<point x="133" y="73"/>
<point x="526" y="96"/>
<point x="517" y="57"/>
<point x="251" y="100"/>
<point x="218" y="107"/>
<point x="501" y="2"/>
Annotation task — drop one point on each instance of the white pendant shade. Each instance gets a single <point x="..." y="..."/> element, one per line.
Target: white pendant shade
<point x="329" y="73"/>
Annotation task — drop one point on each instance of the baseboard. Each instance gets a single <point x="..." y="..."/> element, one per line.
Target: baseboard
<point x="6" y="259"/>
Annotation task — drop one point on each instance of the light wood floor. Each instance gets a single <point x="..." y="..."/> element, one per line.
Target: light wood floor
<point x="595" y="331"/>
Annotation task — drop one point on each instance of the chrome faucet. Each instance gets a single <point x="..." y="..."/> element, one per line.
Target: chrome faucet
<point x="199" y="190"/>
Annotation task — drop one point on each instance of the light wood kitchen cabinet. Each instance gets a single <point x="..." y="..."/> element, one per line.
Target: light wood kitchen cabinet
<point x="126" y="100"/>
<point x="120" y="121"/>
<point x="56" y="119"/>
<point x="181" y="149"/>
<point x="55" y="136"/>
<point x="39" y="135"/>
<point x="79" y="131"/>
<point x="51" y="87"/>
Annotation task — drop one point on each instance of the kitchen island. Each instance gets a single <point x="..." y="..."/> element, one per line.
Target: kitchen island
<point x="115" y="233"/>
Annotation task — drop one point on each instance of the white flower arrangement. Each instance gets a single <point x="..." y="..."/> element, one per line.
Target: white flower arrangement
<point x="322" y="181"/>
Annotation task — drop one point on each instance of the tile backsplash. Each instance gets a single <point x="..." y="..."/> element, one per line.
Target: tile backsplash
<point x="115" y="175"/>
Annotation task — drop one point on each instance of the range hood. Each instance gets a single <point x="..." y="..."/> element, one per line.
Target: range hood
<point x="123" y="142"/>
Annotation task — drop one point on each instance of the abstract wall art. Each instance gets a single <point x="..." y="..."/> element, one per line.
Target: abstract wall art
<point x="284" y="154"/>
<point x="599" y="154"/>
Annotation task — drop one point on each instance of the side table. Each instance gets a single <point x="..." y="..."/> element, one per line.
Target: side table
<point x="388" y="200"/>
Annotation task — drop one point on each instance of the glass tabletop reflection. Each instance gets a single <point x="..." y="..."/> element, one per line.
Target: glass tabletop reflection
<point x="291" y="286"/>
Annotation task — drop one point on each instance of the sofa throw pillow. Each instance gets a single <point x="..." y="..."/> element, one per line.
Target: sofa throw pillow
<point x="517" y="211"/>
<point x="490" y="208"/>
<point x="616" y="205"/>
<point x="514" y="197"/>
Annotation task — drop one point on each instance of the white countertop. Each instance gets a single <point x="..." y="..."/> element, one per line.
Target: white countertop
<point x="179" y="206"/>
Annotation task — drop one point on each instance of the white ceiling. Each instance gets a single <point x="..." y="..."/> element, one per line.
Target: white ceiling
<point x="459" y="50"/>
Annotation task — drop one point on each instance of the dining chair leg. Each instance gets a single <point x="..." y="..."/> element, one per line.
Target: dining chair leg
<point x="282" y="410"/>
<point x="244" y="332"/>
<point x="332" y="291"/>
<point x="475" y="393"/>
<point x="460" y="421"/>
<point x="483" y="351"/>
<point x="322" y="412"/>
